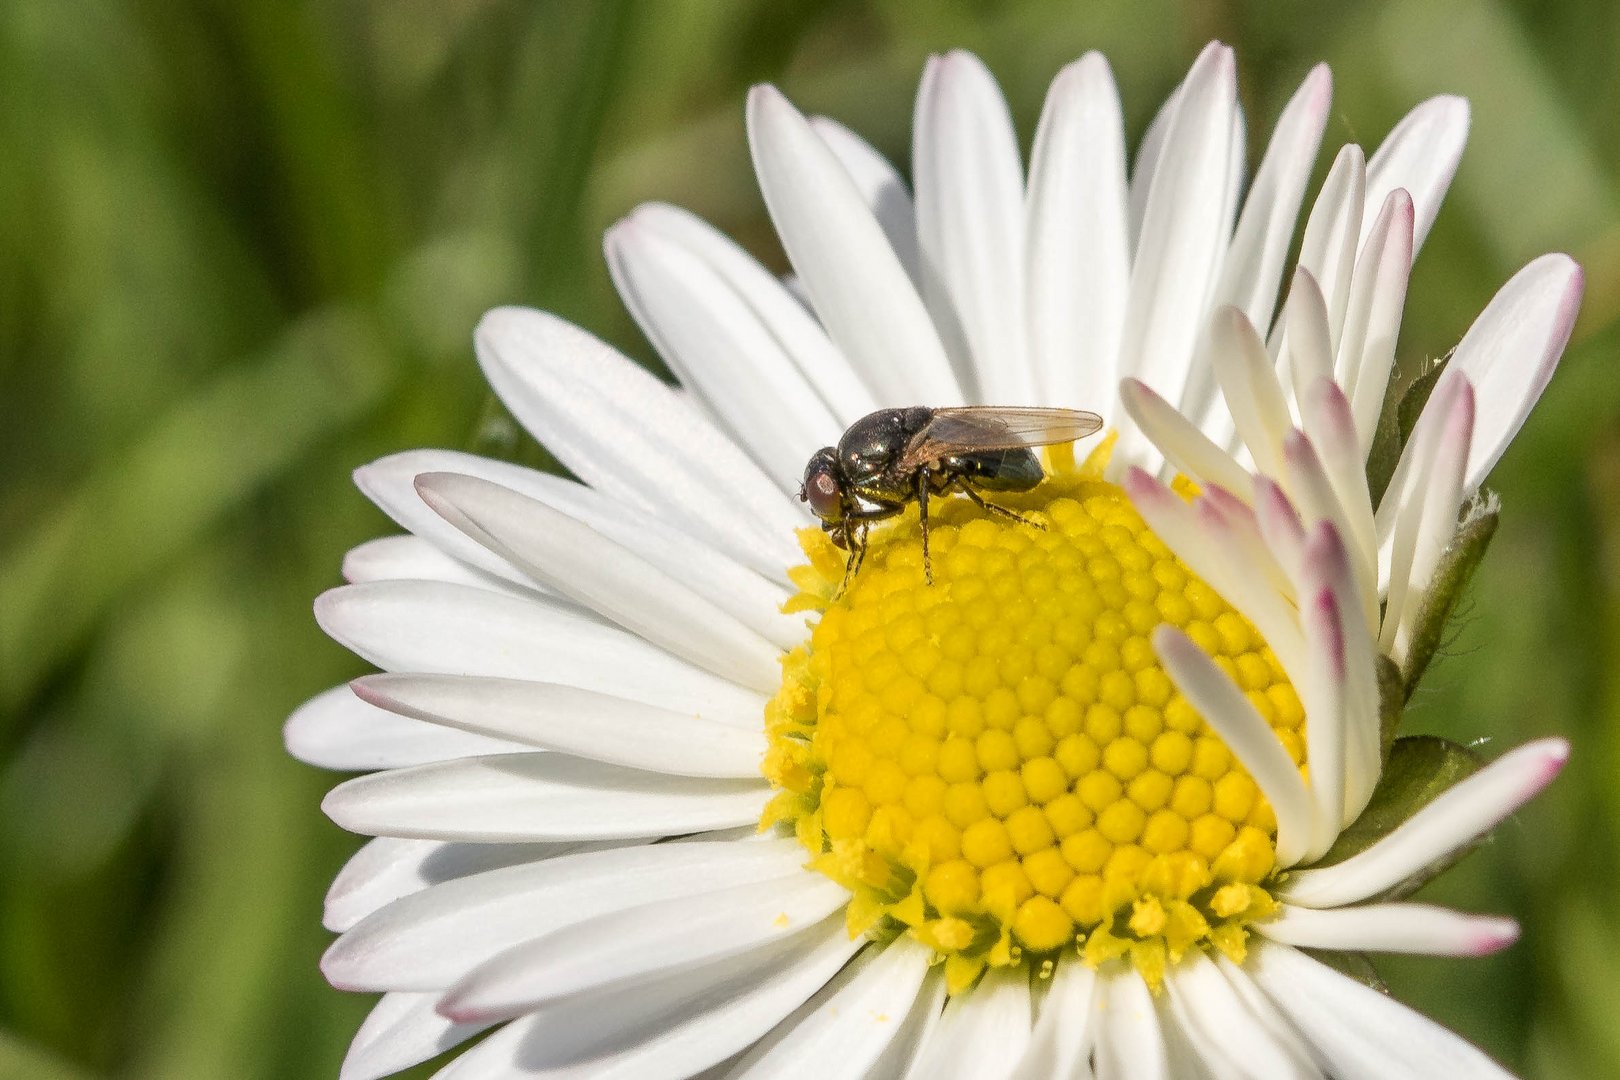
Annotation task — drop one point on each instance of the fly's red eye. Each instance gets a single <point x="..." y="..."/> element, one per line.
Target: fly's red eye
<point x="821" y="491"/>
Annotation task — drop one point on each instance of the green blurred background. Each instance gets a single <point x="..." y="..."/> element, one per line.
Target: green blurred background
<point x="242" y="248"/>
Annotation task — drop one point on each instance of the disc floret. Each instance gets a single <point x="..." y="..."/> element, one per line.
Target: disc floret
<point x="998" y="765"/>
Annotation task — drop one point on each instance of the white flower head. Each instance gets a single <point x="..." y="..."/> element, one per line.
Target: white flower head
<point x="1073" y="808"/>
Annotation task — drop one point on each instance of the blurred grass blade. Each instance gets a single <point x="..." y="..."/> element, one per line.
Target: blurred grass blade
<point x="146" y="505"/>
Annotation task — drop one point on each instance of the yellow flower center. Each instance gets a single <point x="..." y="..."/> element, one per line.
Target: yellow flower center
<point x="998" y="765"/>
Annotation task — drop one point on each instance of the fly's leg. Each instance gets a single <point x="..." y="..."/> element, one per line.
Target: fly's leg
<point x="922" y="518"/>
<point x="967" y="489"/>
<point x="857" y="555"/>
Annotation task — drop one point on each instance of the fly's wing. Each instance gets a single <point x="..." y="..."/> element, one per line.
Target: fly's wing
<point x="978" y="428"/>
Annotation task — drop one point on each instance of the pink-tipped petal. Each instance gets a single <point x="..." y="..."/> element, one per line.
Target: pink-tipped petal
<point x="1420" y="154"/>
<point x="1453" y="820"/>
<point x="1333" y="235"/>
<point x="1373" y="320"/>
<point x="1308" y="343"/>
<point x="1223" y="706"/>
<point x="1185" y="447"/>
<point x="1327" y="416"/>
<point x="1324" y="700"/>
<point x="1420" y="929"/>
<point x="1430" y="497"/>
<point x="1248" y="381"/>
<point x="1280" y="525"/>
<point x="1513" y="348"/>
<point x="1326" y="568"/>
<point x="1439" y="519"/>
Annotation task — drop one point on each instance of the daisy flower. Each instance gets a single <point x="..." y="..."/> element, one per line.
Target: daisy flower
<point x="653" y="795"/>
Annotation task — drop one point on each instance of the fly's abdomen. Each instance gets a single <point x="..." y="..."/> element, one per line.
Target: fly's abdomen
<point x="999" y="470"/>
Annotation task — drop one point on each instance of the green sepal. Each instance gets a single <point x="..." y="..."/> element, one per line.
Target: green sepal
<point x="1395" y="425"/>
<point x="1419" y="769"/>
<point x="1457" y="565"/>
<point x="1357" y="965"/>
<point x="1391" y="703"/>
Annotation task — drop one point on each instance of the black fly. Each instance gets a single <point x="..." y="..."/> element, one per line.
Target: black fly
<point x="888" y="458"/>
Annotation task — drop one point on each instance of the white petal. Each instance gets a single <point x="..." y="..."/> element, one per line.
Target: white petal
<point x="429" y="939"/>
<point x="719" y="348"/>
<point x="336" y="730"/>
<point x="1147" y="163"/>
<point x="1333" y="236"/>
<point x="1307" y="348"/>
<point x="845" y="1029"/>
<point x="629" y="435"/>
<point x="1428" y="489"/>
<point x="1326" y="415"/>
<point x="915" y="1029"/>
<point x="576" y="560"/>
<point x="1185" y="447"/>
<point x="970" y="223"/>
<point x="1184" y="234"/>
<point x="882" y="187"/>
<point x="539" y="796"/>
<point x="624" y="946"/>
<point x="855" y="281"/>
<point x="1280" y="525"/>
<point x="1244" y="988"/>
<point x="1438" y="523"/>
<point x="1358" y="1033"/>
<point x="782" y="313"/>
<point x="387" y="868"/>
<point x="1076" y="246"/>
<point x="1343" y="685"/>
<point x="720" y="578"/>
<point x="671" y="1027"/>
<point x="1323" y="694"/>
<point x="1510" y="352"/>
<point x="1402" y="928"/>
<point x="1130" y="1045"/>
<point x="1216" y="550"/>
<point x="386" y="484"/>
<point x="1254" y="264"/>
<point x="1222" y="705"/>
<point x="1454" y="819"/>
<point x="1061" y="1042"/>
<point x="1420" y="154"/>
<point x="1372" y="321"/>
<point x="441" y="629"/>
<point x="411" y="558"/>
<point x="1241" y="528"/>
<point x="1312" y="492"/>
<point x="982" y="1033"/>
<point x="574" y="721"/>
<point x="1248" y="381"/>
<point x="401" y="1031"/>
<point x="1230" y="1041"/>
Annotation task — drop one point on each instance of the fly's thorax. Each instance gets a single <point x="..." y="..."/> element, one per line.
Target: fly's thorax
<point x="998" y="766"/>
<point x="874" y="443"/>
